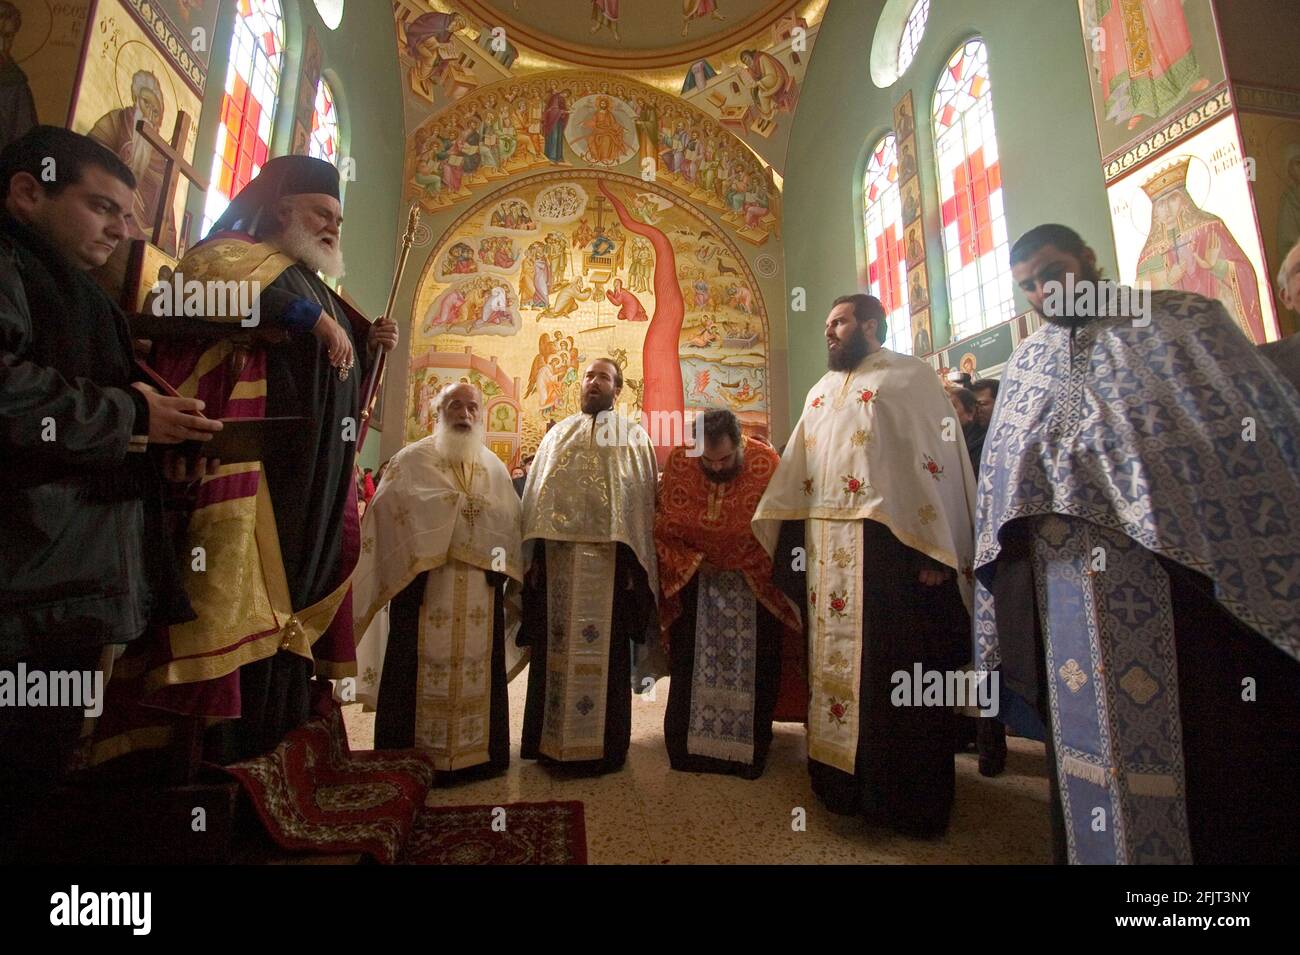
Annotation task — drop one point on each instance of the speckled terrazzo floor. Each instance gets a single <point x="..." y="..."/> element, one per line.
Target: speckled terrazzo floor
<point x="648" y="814"/>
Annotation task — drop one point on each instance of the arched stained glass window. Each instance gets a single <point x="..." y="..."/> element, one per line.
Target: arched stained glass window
<point x="324" y="142"/>
<point x="248" y="107"/>
<point x="912" y="33"/>
<point x="882" y="223"/>
<point x="974" y="221"/>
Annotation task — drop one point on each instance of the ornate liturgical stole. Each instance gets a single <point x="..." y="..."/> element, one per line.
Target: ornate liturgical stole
<point x="834" y="640"/>
<point x="579" y="612"/>
<point x="722" y="679"/>
<point x="454" y="677"/>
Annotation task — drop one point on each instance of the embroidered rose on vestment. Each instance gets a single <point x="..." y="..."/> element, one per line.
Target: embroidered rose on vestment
<point x="838" y="603"/>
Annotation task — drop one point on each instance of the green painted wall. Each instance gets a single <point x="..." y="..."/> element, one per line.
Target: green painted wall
<point x="360" y="60"/>
<point x="1051" y="168"/>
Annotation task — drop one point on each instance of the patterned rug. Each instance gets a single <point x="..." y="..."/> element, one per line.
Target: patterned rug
<point x="313" y="794"/>
<point x="520" y="833"/>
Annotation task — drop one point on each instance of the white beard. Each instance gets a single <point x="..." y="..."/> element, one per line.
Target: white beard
<point x="459" y="447"/>
<point x="301" y="245"/>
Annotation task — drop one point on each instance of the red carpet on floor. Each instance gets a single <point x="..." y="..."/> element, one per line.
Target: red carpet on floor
<point x="530" y="833"/>
<point x="313" y="794"/>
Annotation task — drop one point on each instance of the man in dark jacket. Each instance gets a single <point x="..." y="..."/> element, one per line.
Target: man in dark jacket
<point x="989" y="735"/>
<point x="84" y="562"/>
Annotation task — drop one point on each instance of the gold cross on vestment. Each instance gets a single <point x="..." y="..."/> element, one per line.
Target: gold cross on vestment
<point x="472" y="509"/>
<point x="464" y="476"/>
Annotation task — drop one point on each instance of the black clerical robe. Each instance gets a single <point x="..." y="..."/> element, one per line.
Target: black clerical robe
<point x="311" y="486"/>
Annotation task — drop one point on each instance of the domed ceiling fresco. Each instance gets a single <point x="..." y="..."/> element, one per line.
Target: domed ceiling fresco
<point x="599" y="178"/>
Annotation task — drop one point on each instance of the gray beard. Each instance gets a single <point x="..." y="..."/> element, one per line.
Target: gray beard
<point x="458" y="447"/>
<point x="302" y="246"/>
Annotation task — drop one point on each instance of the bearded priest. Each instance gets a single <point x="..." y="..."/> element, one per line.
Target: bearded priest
<point x="589" y="514"/>
<point x="278" y="537"/>
<point x="440" y="540"/>
<point x="877" y="474"/>
<point x="727" y="627"/>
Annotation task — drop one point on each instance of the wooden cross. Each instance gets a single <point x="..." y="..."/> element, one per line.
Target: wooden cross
<point x="174" y="167"/>
<point x="600" y="206"/>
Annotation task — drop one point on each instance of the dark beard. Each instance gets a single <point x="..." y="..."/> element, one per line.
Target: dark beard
<point x="594" y="405"/>
<point x="850" y="353"/>
<point x="727" y="476"/>
<point x="1076" y="320"/>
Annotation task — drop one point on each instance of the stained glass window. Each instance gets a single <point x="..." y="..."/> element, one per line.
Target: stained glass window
<point x="882" y="222"/>
<point x="324" y="125"/>
<point x="248" y="106"/>
<point x="912" y="32"/>
<point x="972" y="215"/>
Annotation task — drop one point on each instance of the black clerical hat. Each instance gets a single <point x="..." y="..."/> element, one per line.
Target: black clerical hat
<point x="280" y="177"/>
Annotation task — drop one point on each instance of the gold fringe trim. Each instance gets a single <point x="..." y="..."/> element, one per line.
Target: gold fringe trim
<point x="1079" y="769"/>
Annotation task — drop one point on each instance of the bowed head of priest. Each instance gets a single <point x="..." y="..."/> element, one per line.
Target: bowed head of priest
<point x="723" y="455"/>
<point x="1049" y="254"/>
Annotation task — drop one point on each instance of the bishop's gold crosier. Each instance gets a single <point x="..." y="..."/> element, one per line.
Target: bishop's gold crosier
<point x="875" y="444"/>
